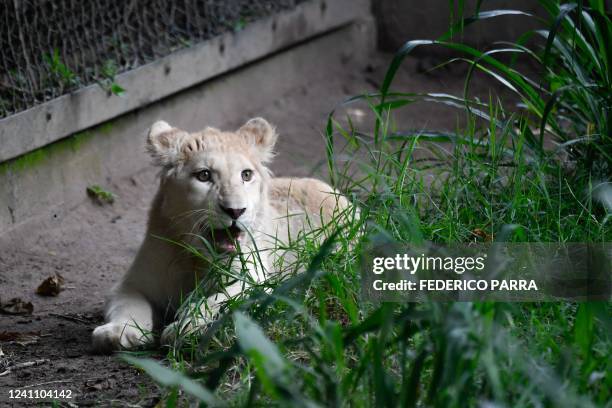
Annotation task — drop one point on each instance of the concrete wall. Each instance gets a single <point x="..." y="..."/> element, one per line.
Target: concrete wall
<point x="92" y="105"/>
<point x="41" y="186"/>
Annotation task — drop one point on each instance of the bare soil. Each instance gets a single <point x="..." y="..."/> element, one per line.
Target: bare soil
<point x="92" y="245"/>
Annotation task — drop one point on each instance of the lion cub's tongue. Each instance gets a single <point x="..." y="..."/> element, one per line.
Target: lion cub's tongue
<point x="225" y="238"/>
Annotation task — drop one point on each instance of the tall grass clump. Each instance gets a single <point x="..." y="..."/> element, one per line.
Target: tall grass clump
<point x="567" y="96"/>
<point x="523" y="174"/>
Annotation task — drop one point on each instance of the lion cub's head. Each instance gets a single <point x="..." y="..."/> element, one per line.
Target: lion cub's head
<point x="212" y="180"/>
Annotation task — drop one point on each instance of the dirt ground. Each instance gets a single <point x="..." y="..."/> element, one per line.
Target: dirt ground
<point x="93" y="245"/>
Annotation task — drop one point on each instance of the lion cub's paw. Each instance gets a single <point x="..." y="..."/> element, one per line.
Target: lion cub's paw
<point x="174" y="332"/>
<point x="169" y="335"/>
<point x="118" y="336"/>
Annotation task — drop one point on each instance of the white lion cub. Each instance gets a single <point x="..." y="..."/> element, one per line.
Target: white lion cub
<point x="214" y="185"/>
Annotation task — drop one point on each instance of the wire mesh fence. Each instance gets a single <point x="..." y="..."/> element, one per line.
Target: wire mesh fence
<point x="51" y="47"/>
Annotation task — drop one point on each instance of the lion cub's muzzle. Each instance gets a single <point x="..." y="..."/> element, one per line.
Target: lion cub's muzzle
<point x="227" y="239"/>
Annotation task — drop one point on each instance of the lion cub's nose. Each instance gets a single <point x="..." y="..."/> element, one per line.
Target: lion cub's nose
<point x="234" y="213"/>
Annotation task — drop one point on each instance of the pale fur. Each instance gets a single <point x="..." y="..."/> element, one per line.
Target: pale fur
<point x="277" y="210"/>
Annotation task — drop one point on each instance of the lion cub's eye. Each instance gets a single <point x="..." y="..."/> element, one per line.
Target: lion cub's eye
<point x="247" y="175"/>
<point x="203" y="175"/>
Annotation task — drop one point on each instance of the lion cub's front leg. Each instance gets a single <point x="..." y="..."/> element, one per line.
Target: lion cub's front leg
<point x="129" y="318"/>
<point x="196" y="317"/>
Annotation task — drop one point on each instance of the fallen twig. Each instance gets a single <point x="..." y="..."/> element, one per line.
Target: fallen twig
<point x="71" y="318"/>
<point x="48" y="382"/>
<point x="27" y="364"/>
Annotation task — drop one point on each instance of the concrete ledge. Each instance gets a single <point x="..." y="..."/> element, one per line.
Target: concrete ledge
<point x="90" y="106"/>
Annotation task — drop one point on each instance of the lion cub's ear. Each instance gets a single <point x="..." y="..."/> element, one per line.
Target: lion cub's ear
<point x="261" y="135"/>
<point x="164" y="143"/>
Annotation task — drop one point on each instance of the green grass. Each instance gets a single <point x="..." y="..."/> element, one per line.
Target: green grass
<point x="313" y="341"/>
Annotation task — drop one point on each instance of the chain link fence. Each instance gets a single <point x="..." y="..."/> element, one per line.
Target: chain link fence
<point x="51" y="47"/>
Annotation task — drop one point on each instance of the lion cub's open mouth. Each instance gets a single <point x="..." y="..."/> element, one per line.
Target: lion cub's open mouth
<point x="225" y="239"/>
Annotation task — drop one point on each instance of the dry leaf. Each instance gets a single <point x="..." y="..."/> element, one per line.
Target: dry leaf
<point x="16" y="306"/>
<point x="51" y="286"/>
<point x="482" y="234"/>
